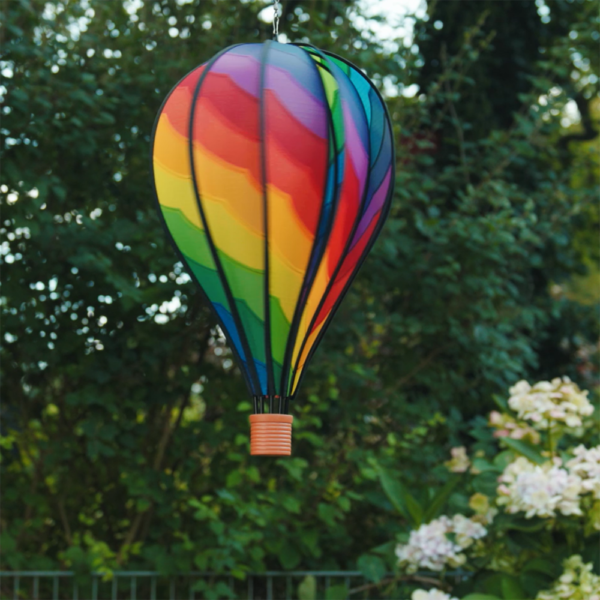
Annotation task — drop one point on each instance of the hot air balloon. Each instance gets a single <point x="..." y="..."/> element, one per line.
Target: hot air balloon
<point x="273" y="166"/>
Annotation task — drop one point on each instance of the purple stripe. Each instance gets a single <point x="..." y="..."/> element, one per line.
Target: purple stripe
<point x="243" y="70"/>
<point x="307" y="109"/>
<point x="354" y="147"/>
<point x="375" y="205"/>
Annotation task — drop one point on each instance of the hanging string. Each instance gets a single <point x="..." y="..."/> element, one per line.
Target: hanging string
<point x="277" y="9"/>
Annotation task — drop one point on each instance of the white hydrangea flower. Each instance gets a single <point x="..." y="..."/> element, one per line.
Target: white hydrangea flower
<point x="547" y="402"/>
<point x="539" y="490"/>
<point x="430" y="546"/>
<point x="586" y="465"/>
<point x="576" y="583"/>
<point x="466" y="530"/>
<point x="459" y="463"/>
<point x="432" y="594"/>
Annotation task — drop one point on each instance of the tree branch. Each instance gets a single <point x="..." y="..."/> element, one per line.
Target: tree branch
<point x="418" y="367"/>
<point x="419" y="578"/>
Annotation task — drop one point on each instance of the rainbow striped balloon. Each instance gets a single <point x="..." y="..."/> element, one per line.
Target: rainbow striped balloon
<point x="274" y="167"/>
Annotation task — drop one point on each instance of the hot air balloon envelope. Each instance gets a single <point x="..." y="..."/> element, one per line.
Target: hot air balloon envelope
<point x="273" y="166"/>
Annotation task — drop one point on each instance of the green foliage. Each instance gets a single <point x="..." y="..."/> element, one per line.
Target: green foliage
<point x="124" y="423"/>
<point x="307" y="590"/>
<point x="525" y="542"/>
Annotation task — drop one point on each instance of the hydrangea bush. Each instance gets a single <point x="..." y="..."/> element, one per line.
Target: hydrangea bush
<point x="521" y="505"/>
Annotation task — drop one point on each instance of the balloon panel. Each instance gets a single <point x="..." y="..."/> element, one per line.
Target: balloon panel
<point x="226" y="145"/>
<point x="177" y="200"/>
<point x="337" y="274"/>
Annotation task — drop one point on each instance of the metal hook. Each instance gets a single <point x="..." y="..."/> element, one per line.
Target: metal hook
<point x="277" y="12"/>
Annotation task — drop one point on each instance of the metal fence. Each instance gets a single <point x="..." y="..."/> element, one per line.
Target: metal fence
<point x="151" y="585"/>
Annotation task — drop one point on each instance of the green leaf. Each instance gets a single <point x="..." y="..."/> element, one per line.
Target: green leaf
<point x="289" y="557"/>
<point x="511" y="588"/>
<point x="529" y="451"/>
<point x="291" y="504"/>
<point x="307" y="590"/>
<point x="394" y="491"/>
<point x="500" y="402"/>
<point x="402" y="500"/>
<point x="541" y="565"/>
<point x="327" y="513"/>
<point x="372" y="567"/>
<point x="440" y="499"/>
<point x="477" y="596"/>
<point x="337" y="592"/>
<point x="385" y="549"/>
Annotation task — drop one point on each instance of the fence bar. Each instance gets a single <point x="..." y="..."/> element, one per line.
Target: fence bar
<point x="288" y="588"/>
<point x="250" y="587"/>
<point x="16" y="589"/>
<point x="324" y="579"/>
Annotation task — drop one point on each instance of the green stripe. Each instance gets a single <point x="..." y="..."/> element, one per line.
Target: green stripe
<point x="190" y="239"/>
<point x="254" y="328"/>
<point x="246" y="283"/>
<point x="280" y="330"/>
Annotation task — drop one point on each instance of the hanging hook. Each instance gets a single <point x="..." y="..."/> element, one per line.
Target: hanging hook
<point x="277" y="9"/>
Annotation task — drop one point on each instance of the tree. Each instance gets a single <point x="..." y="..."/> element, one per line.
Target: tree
<point x="124" y="434"/>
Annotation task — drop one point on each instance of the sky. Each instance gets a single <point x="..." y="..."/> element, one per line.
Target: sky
<point x="394" y="11"/>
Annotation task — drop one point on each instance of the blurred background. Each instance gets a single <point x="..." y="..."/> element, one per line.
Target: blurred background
<point x="124" y="433"/>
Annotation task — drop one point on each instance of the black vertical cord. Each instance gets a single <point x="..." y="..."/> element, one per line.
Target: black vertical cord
<point x="263" y="165"/>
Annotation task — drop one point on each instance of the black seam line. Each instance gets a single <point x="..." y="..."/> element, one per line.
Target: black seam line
<point x="326" y="68"/>
<point x="365" y="253"/>
<point x="307" y="283"/>
<point x="263" y="168"/>
<point x="234" y="312"/>
<point x="338" y="191"/>
<point x="382" y="219"/>
<point x="352" y="232"/>
<point x="169" y="236"/>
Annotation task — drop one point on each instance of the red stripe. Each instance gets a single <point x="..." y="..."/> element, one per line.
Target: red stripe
<point x="348" y="267"/>
<point x="177" y="107"/>
<point x="345" y="217"/>
<point x="235" y="105"/>
<point x="297" y="161"/>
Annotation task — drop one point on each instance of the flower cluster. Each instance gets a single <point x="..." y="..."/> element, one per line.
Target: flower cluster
<point x="548" y="402"/>
<point x="586" y="465"/>
<point x="480" y="504"/>
<point x="507" y="426"/>
<point x="440" y="543"/>
<point x="432" y="594"/>
<point x="539" y="490"/>
<point x="576" y="583"/>
<point x="459" y="462"/>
